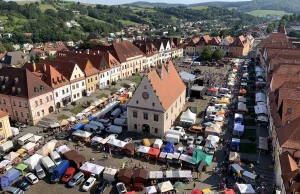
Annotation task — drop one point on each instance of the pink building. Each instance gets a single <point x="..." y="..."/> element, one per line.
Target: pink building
<point x="24" y="96"/>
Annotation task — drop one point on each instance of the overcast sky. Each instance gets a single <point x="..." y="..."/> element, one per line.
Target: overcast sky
<point x="113" y="2"/>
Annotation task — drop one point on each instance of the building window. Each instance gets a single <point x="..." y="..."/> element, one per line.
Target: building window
<point x="91" y="79"/>
<point x="176" y="105"/>
<point x="145" y="116"/>
<point x="171" y="110"/>
<point x="137" y="102"/>
<point x="145" y="87"/>
<point x="26" y="105"/>
<point x="75" y="76"/>
<point x="135" y="115"/>
<point x="4" y="101"/>
<point x="47" y="98"/>
<point x="50" y="97"/>
<point x="156" y="118"/>
<point x="77" y="95"/>
<point x="82" y="83"/>
<point x="56" y="94"/>
<point x="77" y="85"/>
<point x="73" y="87"/>
<point x="28" y="116"/>
<point x="36" y="103"/>
<point x="43" y="112"/>
<point x="156" y="130"/>
<point x="14" y="103"/>
<point x="96" y="78"/>
<point x="20" y="104"/>
<point x="88" y="80"/>
<point x="41" y="101"/>
<point x="63" y="91"/>
<point x="135" y="126"/>
<point x="166" y="116"/>
<point x="38" y="113"/>
<point x="79" y="75"/>
<point x="180" y="100"/>
<point x="290" y="110"/>
<point x="22" y="114"/>
<point x="74" y="96"/>
<point x="153" y="104"/>
<point x="67" y="90"/>
<point x="16" y="113"/>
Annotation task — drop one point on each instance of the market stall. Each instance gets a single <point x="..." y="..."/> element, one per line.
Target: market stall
<point x="188" y="117"/>
<point x="82" y="135"/>
<point x="22" y="168"/>
<point x="242" y="107"/>
<point x="29" y="147"/>
<point x="238" y="129"/>
<point x="6" y="146"/>
<point x="125" y="175"/>
<point x="62" y="149"/>
<point x="89" y="168"/>
<point x="35" y="139"/>
<point x="238" y="118"/>
<point x="11" y="156"/>
<point x="245" y="188"/>
<point x="162" y="156"/>
<point x="235" y="144"/>
<point x="261" y="109"/>
<point x="129" y="149"/>
<point x="153" y="153"/>
<point x="140" y="176"/>
<point x="143" y="150"/>
<point x="212" y="129"/>
<point x="249" y="176"/>
<point x="96" y="140"/>
<point x="237" y="168"/>
<point x="229" y="191"/>
<point x="44" y="151"/>
<point x="234" y="157"/>
<point x="165" y="186"/>
<point x="151" y="190"/>
<point x="109" y="174"/>
<point x="157" y="143"/>
<point x="33" y="161"/>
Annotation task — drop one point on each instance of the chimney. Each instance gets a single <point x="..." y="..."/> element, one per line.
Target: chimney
<point x="33" y="66"/>
<point x="45" y="67"/>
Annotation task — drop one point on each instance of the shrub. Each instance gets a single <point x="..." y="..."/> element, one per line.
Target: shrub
<point x="73" y="103"/>
<point x="113" y="83"/>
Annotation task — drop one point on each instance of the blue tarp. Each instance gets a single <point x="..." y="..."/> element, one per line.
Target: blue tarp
<point x="78" y="126"/>
<point x="169" y="148"/>
<point x="235" y="142"/>
<point x="187" y="76"/>
<point x="9" y="177"/>
<point x="91" y="118"/>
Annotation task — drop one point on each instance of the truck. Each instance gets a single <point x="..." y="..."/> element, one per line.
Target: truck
<point x="176" y="132"/>
<point x="48" y="164"/>
<point x="9" y="177"/>
<point x="114" y="129"/>
<point x="120" y="122"/>
<point x="24" y="139"/>
<point x="92" y="128"/>
<point x="98" y="124"/>
<point x="171" y="138"/>
<point x="115" y="113"/>
<point x="55" y="157"/>
<point x="59" y="171"/>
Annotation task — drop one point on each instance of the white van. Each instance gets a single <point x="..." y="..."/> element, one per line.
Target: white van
<point x="55" y="157"/>
<point x="115" y="113"/>
<point x="224" y="90"/>
<point x="172" y="138"/>
<point x="91" y="128"/>
<point x="105" y="122"/>
<point x="114" y="129"/>
<point x="98" y="124"/>
<point x="120" y="122"/>
<point x="196" y="63"/>
<point x="48" y="164"/>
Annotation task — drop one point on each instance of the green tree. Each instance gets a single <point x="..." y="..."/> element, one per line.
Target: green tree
<point x="207" y="53"/>
<point x="51" y="57"/>
<point x="2" y="49"/>
<point x="9" y="47"/>
<point x="218" y="54"/>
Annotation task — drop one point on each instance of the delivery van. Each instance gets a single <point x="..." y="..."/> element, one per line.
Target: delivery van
<point x="55" y="157"/>
<point x="91" y="128"/>
<point x="172" y="138"/>
<point x="40" y="173"/>
<point x="115" y="113"/>
<point x="48" y="164"/>
<point x="114" y="129"/>
<point x="120" y="122"/>
<point x="98" y="124"/>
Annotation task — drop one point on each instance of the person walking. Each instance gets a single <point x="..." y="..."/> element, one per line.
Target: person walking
<point x="194" y="185"/>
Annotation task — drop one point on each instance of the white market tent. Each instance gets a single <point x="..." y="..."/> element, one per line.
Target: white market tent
<point x="29" y="146"/>
<point x="165" y="186"/>
<point x="144" y="149"/>
<point x="212" y="129"/>
<point x="258" y="69"/>
<point x="237" y="167"/>
<point x="80" y="116"/>
<point x="163" y="155"/>
<point x="113" y="141"/>
<point x="242" y="107"/>
<point x="234" y="157"/>
<point x="151" y="190"/>
<point x="80" y="133"/>
<point x="188" y="117"/>
<point x="11" y="156"/>
<point x="249" y="175"/>
<point x="238" y="117"/>
<point x="121" y="144"/>
<point x="92" y="168"/>
<point x="158" y="143"/>
<point x="213" y="138"/>
<point x="51" y="145"/>
<point x="156" y="175"/>
<point x="4" y="163"/>
<point x="245" y="188"/>
<point x="62" y="149"/>
<point x="210" y="110"/>
<point x="238" y="129"/>
<point x="44" y="151"/>
<point x="260" y="109"/>
<point x="97" y="102"/>
<point x="262" y="118"/>
<point x="109" y="174"/>
<point x="244" y="100"/>
<point x="35" y="138"/>
<point x="72" y="119"/>
<point x="96" y="139"/>
<point x="33" y="161"/>
<point x="210" y="144"/>
<point x="6" y="146"/>
<point x="260" y="97"/>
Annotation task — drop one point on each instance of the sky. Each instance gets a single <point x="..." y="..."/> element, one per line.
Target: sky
<point x="114" y="2"/>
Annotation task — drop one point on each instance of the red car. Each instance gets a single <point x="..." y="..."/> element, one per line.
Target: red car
<point x="68" y="175"/>
<point x="135" y="187"/>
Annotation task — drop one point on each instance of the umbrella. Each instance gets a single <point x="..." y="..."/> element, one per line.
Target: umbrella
<point x="179" y="185"/>
<point x="196" y="191"/>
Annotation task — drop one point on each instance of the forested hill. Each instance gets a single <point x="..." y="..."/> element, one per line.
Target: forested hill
<point x="289" y="6"/>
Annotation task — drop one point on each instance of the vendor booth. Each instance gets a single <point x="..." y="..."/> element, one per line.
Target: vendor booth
<point x="165" y="186"/>
<point x="210" y="110"/>
<point x="162" y="156"/>
<point x="153" y="153"/>
<point x="235" y="144"/>
<point x="188" y="117"/>
<point x="260" y="97"/>
<point x="234" y="157"/>
<point x="237" y="168"/>
<point x="29" y="147"/>
<point x="157" y="143"/>
<point x="229" y="191"/>
<point x="151" y="190"/>
<point x="129" y="149"/>
<point x="140" y="176"/>
<point x="213" y="129"/>
<point x="169" y="148"/>
<point x="143" y="150"/>
<point x="238" y="129"/>
<point x="82" y="135"/>
<point x="6" y="146"/>
<point x="245" y="189"/>
<point x="44" y="151"/>
<point x="33" y="161"/>
<point x="96" y="140"/>
<point x="62" y="149"/>
<point x="242" y="99"/>
<point x="249" y="176"/>
<point x="89" y="168"/>
<point x="125" y="175"/>
<point x="22" y="168"/>
<point x="238" y="118"/>
<point x="35" y="139"/>
<point x="261" y="109"/>
<point x="11" y="156"/>
<point x="242" y="108"/>
<point x="109" y="174"/>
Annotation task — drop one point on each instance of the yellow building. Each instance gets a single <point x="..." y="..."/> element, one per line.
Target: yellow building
<point x="5" y="130"/>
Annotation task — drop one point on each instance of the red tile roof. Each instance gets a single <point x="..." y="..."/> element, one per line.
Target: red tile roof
<point x="287" y="163"/>
<point x="170" y="87"/>
<point x="3" y="114"/>
<point x="289" y="135"/>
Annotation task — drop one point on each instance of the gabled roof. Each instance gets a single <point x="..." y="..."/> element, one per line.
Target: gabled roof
<point x="229" y="39"/>
<point x="169" y="86"/>
<point x="289" y="135"/>
<point x="279" y="79"/>
<point x="287" y="163"/>
<point x="47" y="74"/>
<point x="110" y="59"/>
<point x="83" y="63"/>
<point x="240" y="41"/>
<point x="21" y="82"/>
<point x="63" y="67"/>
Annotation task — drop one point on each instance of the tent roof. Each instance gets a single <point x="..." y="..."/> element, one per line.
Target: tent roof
<point x="141" y="173"/>
<point x="238" y="127"/>
<point x="125" y="172"/>
<point x="130" y="147"/>
<point x="229" y="191"/>
<point x="96" y="139"/>
<point x="80" y="133"/>
<point x="199" y="155"/>
<point x="154" y="152"/>
<point x="188" y="115"/>
<point x="11" y="156"/>
<point x="35" y="138"/>
<point x="187" y="76"/>
<point x="245" y="188"/>
<point x="151" y="190"/>
<point x="111" y="171"/>
<point x="144" y="149"/>
<point x="29" y="145"/>
<point x="169" y="148"/>
<point x="165" y="186"/>
<point x="22" y="167"/>
<point x="62" y="149"/>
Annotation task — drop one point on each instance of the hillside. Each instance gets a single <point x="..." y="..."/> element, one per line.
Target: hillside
<point x="287" y="6"/>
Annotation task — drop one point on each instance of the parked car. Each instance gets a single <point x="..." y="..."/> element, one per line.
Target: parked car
<point x="121" y="188"/>
<point x="68" y="175"/>
<point x="101" y="187"/>
<point x="89" y="183"/>
<point x="195" y="129"/>
<point x="177" y="128"/>
<point x="76" y="179"/>
<point x="135" y="187"/>
<point x="19" y="124"/>
<point x="190" y="140"/>
<point x="128" y="140"/>
<point x="199" y="140"/>
<point x="31" y="178"/>
<point x="22" y="184"/>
